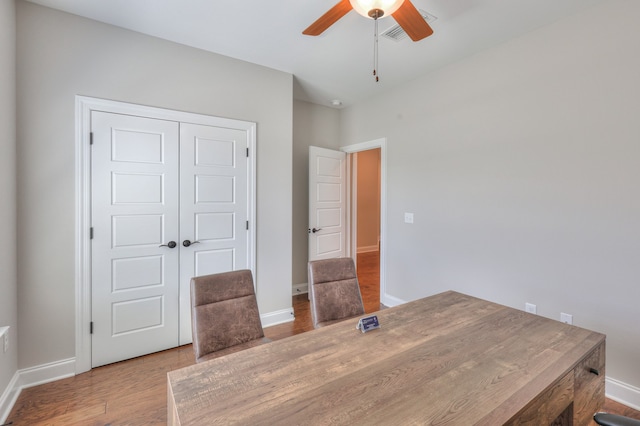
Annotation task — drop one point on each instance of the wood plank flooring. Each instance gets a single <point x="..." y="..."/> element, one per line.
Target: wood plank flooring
<point x="133" y="392"/>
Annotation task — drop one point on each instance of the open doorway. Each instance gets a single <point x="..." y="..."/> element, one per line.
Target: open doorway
<point x="333" y="212"/>
<point x="371" y="263"/>
<point x="365" y="221"/>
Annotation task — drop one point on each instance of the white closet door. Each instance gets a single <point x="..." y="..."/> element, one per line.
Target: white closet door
<point x="213" y="207"/>
<point x="134" y="207"/>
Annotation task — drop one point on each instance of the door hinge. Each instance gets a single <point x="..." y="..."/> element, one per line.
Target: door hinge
<point x="247" y="152"/>
<point x="90" y="138"/>
<point x="91" y="233"/>
<point x="91" y="327"/>
<point x="247" y="228"/>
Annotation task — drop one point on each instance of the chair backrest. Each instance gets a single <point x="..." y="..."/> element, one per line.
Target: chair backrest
<point x="335" y="293"/>
<point x="224" y="311"/>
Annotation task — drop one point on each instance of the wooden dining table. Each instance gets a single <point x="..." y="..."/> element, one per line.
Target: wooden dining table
<point x="447" y="359"/>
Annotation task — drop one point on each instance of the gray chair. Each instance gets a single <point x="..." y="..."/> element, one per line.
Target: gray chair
<point x="334" y="291"/>
<point x="224" y="314"/>
<point x="606" y="419"/>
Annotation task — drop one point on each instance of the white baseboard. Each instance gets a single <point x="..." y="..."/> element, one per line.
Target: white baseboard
<point x="9" y="398"/>
<point x="47" y="373"/>
<point x="300" y="288"/>
<point x="389" y="301"/>
<point x="34" y="376"/>
<point x="623" y="393"/>
<point x="277" y="317"/>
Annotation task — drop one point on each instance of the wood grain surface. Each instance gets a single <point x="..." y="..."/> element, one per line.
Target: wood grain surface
<point x="446" y="359"/>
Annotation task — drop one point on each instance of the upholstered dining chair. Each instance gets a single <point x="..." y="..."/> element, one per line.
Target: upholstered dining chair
<point x="606" y="419"/>
<point x="334" y="291"/>
<point x="224" y="314"/>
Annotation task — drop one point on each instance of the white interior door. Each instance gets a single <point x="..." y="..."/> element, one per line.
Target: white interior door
<point x="214" y="214"/>
<point x="327" y="203"/>
<point x="170" y="200"/>
<point x="134" y="217"/>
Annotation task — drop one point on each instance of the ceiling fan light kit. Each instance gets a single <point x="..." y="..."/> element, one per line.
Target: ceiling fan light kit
<point x="375" y="9"/>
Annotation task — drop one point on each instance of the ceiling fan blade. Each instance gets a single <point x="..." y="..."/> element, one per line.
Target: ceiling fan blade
<point x="412" y="21"/>
<point x="329" y="18"/>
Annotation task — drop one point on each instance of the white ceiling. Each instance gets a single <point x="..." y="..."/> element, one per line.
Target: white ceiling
<point x="339" y="63"/>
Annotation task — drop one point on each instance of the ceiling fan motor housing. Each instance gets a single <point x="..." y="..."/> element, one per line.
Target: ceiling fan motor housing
<point x="376" y="13"/>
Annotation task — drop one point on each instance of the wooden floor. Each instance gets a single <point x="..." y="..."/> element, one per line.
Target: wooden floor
<point x="133" y="392"/>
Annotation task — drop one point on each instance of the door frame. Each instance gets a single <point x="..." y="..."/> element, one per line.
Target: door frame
<point x="381" y="143"/>
<point x="83" y="107"/>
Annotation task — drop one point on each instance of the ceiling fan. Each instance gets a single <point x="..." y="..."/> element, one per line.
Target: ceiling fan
<point x="403" y="11"/>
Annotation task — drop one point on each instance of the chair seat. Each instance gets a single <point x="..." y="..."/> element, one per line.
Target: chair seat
<point x="233" y="349"/>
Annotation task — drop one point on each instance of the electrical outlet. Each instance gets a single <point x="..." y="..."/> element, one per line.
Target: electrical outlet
<point x="530" y="307"/>
<point x="566" y="318"/>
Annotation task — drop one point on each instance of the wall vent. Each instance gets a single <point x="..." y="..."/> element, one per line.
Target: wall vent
<point x="396" y="33"/>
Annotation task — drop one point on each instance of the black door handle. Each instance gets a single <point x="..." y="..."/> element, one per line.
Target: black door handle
<point x="170" y="244"/>
<point x="314" y="230"/>
<point x="187" y="243"/>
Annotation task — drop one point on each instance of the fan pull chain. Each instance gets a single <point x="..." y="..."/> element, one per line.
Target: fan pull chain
<point x="375" y="50"/>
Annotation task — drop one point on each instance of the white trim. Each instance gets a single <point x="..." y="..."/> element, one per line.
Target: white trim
<point x="82" y="245"/>
<point x="46" y="373"/>
<point x="33" y="376"/>
<point x="9" y="398"/>
<point x="277" y="317"/>
<point x="301" y="288"/>
<point x="84" y="106"/>
<point x="391" y="301"/>
<point x="623" y="393"/>
<point x="352" y="206"/>
<point x="381" y="143"/>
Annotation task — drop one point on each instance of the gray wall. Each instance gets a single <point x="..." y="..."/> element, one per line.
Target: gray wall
<point x="313" y="125"/>
<point x="522" y="167"/>
<point x="8" y="279"/>
<point x="61" y="56"/>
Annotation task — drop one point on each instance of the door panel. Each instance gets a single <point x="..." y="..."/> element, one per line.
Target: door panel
<point x="213" y="206"/>
<point x="134" y="211"/>
<point x="135" y="315"/>
<point x="327" y="203"/>
<point x="137" y="272"/>
<point x="130" y="188"/>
